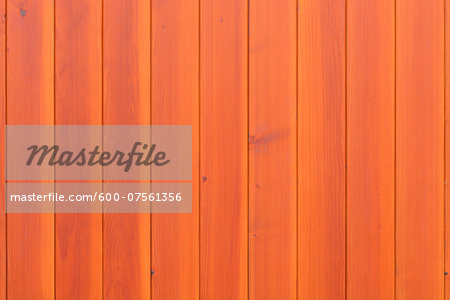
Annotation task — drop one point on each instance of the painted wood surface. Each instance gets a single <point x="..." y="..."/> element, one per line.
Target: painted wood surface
<point x="30" y="101"/>
<point x="320" y="146"/>
<point x="321" y="149"/>
<point x="126" y="101"/>
<point x="78" y="100"/>
<point x="370" y="149"/>
<point x="420" y="150"/>
<point x="224" y="134"/>
<point x="272" y="131"/>
<point x="175" y="100"/>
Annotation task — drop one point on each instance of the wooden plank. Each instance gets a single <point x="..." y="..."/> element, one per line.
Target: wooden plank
<point x="273" y="150"/>
<point x="370" y="149"/>
<point x="321" y="149"/>
<point x="78" y="101"/>
<point x="420" y="150"/>
<point x="30" y="96"/>
<point x="175" y="101"/>
<point x="447" y="154"/>
<point x="2" y="146"/>
<point x="126" y="87"/>
<point x="223" y="158"/>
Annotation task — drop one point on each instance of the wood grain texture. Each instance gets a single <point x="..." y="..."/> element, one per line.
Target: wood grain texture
<point x="272" y="150"/>
<point x="420" y="150"/>
<point x="2" y="146"/>
<point x="78" y="101"/>
<point x="126" y="87"/>
<point x="175" y="101"/>
<point x="321" y="144"/>
<point x="370" y="149"/>
<point x="30" y="101"/>
<point x="223" y="150"/>
<point x="447" y="153"/>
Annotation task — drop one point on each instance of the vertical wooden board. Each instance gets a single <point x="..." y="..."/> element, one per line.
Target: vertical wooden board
<point x="30" y="95"/>
<point x="321" y="149"/>
<point x="126" y="88"/>
<point x="175" y="101"/>
<point x="223" y="150"/>
<point x="272" y="149"/>
<point x="370" y="149"/>
<point x="447" y="152"/>
<point x="78" y="101"/>
<point x="2" y="152"/>
<point x="420" y="150"/>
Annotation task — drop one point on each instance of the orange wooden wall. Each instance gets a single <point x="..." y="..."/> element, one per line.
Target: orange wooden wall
<point x="320" y="146"/>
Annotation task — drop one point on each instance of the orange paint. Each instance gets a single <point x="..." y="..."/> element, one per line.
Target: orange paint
<point x="420" y="150"/>
<point x="175" y="100"/>
<point x="272" y="150"/>
<point x="30" y="86"/>
<point x="3" y="262"/>
<point x="126" y="100"/>
<point x="370" y="149"/>
<point x="320" y="147"/>
<point x="223" y="150"/>
<point x="78" y="100"/>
